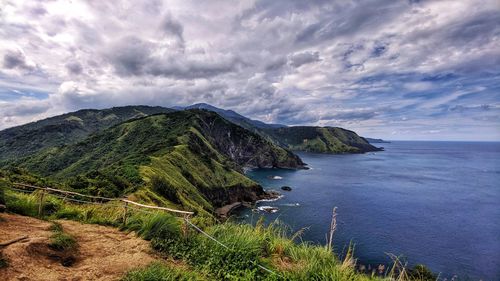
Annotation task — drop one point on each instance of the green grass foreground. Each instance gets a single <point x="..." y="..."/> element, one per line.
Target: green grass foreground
<point x="271" y="246"/>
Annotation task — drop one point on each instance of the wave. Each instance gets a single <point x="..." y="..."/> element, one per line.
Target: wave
<point x="272" y="199"/>
<point x="290" y="204"/>
<point x="269" y="209"/>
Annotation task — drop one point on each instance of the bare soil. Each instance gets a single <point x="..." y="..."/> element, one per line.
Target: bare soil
<point x="103" y="253"/>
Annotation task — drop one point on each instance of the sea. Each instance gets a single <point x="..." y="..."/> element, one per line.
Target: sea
<point x="431" y="203"/>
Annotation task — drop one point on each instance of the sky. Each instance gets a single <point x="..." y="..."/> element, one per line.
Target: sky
<point x="401" y="70"/>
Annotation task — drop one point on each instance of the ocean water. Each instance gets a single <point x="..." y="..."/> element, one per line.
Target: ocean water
<point x="435" y="203"/>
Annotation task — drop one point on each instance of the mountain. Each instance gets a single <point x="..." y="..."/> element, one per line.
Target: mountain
<point x="68" y="128"/>
<point x="370" y="140"/>
<point x="300" y="138"/>
<point x="321" y="139"/>
<point x="193" y="159"/>
<point x="234" y="117"/>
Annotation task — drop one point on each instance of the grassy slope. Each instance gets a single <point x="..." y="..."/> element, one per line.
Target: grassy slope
<point x="321" y="139"/>
<point x="201" y="259"/>
<point x="184" y="156"/>
<point x="65" y="129"/>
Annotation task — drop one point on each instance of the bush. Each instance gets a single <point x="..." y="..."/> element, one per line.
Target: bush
<point x="22" y="204"/>
<point x="154" y="226"/>
<point x="422" y="273"/>
<point x="61" y="241"/>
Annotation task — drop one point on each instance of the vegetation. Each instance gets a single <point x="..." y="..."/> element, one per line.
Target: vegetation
<point x="189" y="159"/>
<point x="3" y="186"/>
<point x="320" y="139"/>
<point x="161" y="272"/>
<point x="65" y="129"/>
<point x="272" y="246"/>
<point x="61" y="241"/>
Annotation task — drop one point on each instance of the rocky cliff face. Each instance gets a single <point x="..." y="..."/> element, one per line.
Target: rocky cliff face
<point x="244" y="147"/>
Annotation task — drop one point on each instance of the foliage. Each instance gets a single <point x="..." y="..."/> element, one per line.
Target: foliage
<point x="191" y="158"/>
<point x="3" y="186"/>
<point x="65" y="129"/>
<point x="160" y="272"/>
<point x="421" y="273"/>
<point x="158" y="225"/>
<point x="61" y="241"/>
<point x="320" y="139"/>
<point x="272" y="246"/>
<point x="23" y="204"/>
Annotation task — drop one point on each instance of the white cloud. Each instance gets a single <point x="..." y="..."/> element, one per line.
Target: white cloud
<point x="282" y="61"/>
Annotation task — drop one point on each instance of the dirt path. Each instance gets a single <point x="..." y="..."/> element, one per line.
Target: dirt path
<point x="104" y="253"/>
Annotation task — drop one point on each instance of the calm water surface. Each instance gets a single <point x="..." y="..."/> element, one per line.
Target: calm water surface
<point x="436" y="203"/>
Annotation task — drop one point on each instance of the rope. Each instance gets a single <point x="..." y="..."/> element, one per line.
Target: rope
<point x="206" y="234"/>
<point x="140" y="210"/>
<point x="76" y="200"/>
<point x="220" y="243"/>
<point x="65" y="191"/>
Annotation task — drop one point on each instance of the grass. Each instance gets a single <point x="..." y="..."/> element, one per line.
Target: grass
<point x="272" y="246"/>
<point x="61" y="241"/>
<point x="161" y="272"/>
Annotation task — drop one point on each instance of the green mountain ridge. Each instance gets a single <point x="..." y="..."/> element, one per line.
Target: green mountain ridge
<point x="190" y="159"/>
<point x="67" y="128"/>
<point x="299" y="138"/>
<point x="320" y="139"/>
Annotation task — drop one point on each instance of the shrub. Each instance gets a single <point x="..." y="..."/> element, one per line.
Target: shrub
<point x="422" y="273"/>
<point x="158" y="225"/>
<point x="23" y="204"/>
<point x="61" y="241"/>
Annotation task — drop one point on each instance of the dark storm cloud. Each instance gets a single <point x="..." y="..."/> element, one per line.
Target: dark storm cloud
<point x="351" y="19"/>
<point x="172" y="27"/>
<point x="74" y="68"/>
<point x="133" y="56"/>
<point x="16" y="60"/>
<point x="130" y="55"/>
<point x="298" y="59"/>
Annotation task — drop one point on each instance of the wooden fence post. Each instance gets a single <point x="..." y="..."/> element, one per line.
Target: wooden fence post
<point x="40" y="203"/>
<point x="125" y="213"/>
<point x="184" y="227"/>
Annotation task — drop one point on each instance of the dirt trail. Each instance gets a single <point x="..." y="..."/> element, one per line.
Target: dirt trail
<point x="104" y="253"/>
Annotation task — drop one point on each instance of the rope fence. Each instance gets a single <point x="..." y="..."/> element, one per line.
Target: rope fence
<point x="128" y="204"/>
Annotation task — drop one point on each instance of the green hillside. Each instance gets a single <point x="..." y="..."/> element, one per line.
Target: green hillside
<point x="65" y="129"/>
<point x="301" y="138"/>
<point x="320" y="139"/>
<point x="193" y="159"/>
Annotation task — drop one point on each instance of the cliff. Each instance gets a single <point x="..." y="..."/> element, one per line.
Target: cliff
<point x="321" y="139"/>
<point x="191" y="159"/>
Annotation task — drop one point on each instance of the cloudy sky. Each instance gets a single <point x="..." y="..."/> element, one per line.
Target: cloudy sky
<point x="391" y="69"/>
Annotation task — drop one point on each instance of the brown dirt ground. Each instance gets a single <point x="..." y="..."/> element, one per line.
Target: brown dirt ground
<point x="104" y="253"/>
